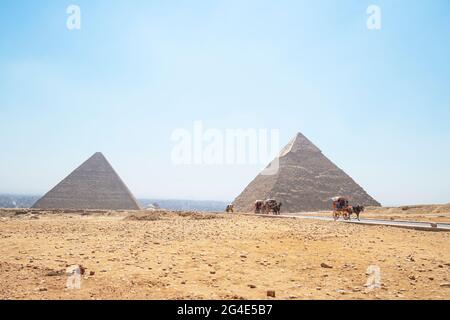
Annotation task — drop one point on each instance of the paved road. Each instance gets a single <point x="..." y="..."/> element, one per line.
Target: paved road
<point x="401" y="224"/>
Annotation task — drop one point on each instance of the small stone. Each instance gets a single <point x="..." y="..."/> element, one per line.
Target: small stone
<point x="91" y="273"/>
<point x="445" y="285"/>
<point x="251" y="286"/>
<point x="271" y="293"/>
<point x="324" y="265"/>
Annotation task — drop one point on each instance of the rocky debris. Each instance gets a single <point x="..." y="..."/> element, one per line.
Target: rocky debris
<point x="412" y="277"/>
<point x="154" y="216"/>
<point x="251" y="286"/>
<point x="445" y="285"/>
<point x="325" y="265"/>
<point x="166" y="215"/>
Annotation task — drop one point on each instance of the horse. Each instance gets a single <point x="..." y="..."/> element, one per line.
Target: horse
<point x="357" y="210"/>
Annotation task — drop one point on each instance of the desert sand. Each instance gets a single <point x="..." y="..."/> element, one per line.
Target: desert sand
<point x="166" y="255"/>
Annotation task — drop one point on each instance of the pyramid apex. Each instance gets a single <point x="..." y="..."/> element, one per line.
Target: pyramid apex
<point x="299" y="143"/>
<point x="99" y="156"/>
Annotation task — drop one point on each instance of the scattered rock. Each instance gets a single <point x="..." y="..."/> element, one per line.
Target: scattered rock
<point x="271" y="293"/>
<point x="324" y="265"/>
<point x="54" y="273"/>
<point x="251" y="286"/>
<point x="445" y="285"/>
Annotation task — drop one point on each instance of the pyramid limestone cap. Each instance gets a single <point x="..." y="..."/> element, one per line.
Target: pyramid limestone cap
<point x="299" y="144"/>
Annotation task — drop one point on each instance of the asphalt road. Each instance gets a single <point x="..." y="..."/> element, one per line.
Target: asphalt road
<point x="428" y="226"/>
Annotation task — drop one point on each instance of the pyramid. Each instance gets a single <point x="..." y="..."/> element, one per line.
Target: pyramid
<point x="305" y="181"/>
<point x="93" y="185"/>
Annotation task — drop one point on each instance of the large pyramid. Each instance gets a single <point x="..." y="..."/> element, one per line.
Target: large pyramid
<point x="306" y="181"/>
<point x="93" y="185"/>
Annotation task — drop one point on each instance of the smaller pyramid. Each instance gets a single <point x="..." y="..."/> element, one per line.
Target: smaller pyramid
<point x="93" y="185"/>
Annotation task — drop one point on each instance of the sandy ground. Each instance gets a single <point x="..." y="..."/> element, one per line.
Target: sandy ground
<point x="426" y="213"/>
<point x="212" y="256"/>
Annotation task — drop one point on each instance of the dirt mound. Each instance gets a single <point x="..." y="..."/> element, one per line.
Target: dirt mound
<point x="197" y="215"/>
<point x="154" y="216"/>
<point x="165" y="215"/>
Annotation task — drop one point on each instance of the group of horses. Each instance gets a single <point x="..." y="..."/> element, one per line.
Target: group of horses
<point x="267" y="206"/>
<point x="341" y="208"/>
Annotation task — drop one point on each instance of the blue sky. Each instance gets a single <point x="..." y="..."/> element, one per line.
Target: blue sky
<point x="377" y="103"/>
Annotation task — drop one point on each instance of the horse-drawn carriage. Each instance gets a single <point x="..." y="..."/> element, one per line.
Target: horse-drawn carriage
<point x="342" y="208"/>
<point x="267" y="206"/>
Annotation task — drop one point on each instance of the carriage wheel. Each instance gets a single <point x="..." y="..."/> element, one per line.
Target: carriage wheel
<point x="335" y="216"/>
